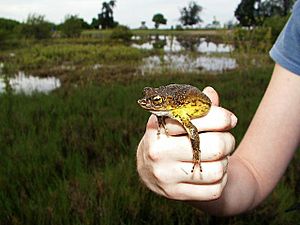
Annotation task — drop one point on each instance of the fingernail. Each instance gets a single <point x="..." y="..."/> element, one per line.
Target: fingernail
<point x="234" y="120"/>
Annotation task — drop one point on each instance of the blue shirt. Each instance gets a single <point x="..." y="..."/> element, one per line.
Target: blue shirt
<point x="286" y="50"/>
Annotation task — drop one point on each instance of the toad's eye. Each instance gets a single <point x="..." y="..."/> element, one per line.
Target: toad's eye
<point x="157" y="100"/>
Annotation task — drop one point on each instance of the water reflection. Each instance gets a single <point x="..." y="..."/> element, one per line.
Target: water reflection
<point x="29" y="84"/>
<point x="189" y="44"/>
<point x="185" y="63"/>
<point x="181" y="43"/>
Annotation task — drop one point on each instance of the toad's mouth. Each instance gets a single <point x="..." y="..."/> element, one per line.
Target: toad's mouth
<point x="160" y="112"/>
<point x="154" y="109"/>
<point x="144" y="104"/>
<point x="148" y="105"/>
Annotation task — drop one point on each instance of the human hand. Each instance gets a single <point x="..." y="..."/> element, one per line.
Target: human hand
<point x="164" y="162"/>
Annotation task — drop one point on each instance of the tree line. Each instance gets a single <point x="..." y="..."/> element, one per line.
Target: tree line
<point x="189" y="16"/>
<point x="36" y="26"/>
<point x="249" y="13"/>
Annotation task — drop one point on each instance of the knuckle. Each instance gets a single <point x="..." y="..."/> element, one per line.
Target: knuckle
<point x="157" y="174"/>
<point x="154" y="153"/>
<point x="231" y="143"/>
<point x="217" y="146"/>
<point x="216" y="173"/>
<point x="226" y="120"/>
<point x="228" y="143"/>
<point x="171" y="192"/>
<point x="220" y="143"/>
<point x="216" y="191"/>
<point x="219" y="173"/>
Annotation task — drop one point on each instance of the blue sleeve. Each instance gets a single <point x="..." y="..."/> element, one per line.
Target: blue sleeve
<point x="286" y="50"/>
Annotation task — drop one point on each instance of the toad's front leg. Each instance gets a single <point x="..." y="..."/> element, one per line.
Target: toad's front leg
<point x="161" y="123"/>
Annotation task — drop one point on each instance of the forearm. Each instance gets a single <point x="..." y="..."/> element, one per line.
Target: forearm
<point x="274" y="133"/>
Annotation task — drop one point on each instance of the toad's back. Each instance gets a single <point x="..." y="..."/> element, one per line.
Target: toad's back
<point x="186" y="99"/>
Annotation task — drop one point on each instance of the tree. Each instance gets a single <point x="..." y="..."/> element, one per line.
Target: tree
<point x="106" y="17"/>
<point x="159" y="19"/>
<point x="270" y="8"/>
<point x="37" y="27"/>
<point x="190" y="14"/>
<point x="287" y="6"/>
<point x="8" y="24"/>
<point x="9" y="29"/>
<point x="121" y="33"/>
<point x="246" y="12"/>
<point x="95" y="23"/>
<point x="84" y="24"/>
<point x="254" y="12"/>
<point x="276" y="23"/>
<point x="72" y="26"/>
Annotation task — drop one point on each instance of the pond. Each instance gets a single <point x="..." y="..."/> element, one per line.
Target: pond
<point x="178" y="44"/>
<point x="186" y="63"/>
<point x="28" y="84"/>
<point x="208" y="56"/>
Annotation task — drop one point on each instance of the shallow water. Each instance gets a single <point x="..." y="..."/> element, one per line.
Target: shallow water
<point x="186" y="63"/>
<point x="177" y="44"/>
<point x="28" y="84"/>
<point x="207" y="55"/>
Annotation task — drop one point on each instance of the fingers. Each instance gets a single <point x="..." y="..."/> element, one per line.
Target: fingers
<point x="180" y="172"/>
<point x="185" y="191"/>
<point x="190" y="188"/>
<point x="174" y="180"/>
<point x="165" y="162"/>
<point x="213" y="145"/>
<point x="218" y="119"/>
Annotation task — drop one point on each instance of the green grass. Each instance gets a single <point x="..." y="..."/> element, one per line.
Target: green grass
<point x="69" y="157"/>
<point x="47" y="57"/>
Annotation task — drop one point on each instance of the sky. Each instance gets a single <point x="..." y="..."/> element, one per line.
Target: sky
<point x="126" y="12"/>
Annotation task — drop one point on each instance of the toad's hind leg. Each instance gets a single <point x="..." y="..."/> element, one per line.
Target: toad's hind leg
<point x="195" y="141"/>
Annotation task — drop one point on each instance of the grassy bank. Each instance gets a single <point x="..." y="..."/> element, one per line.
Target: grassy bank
<point x="69" y="157"/>
<point x="59" y="58"/>
<point x="142" y="32"/>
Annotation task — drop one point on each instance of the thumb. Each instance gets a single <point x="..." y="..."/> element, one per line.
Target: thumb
<point x="213" y="95"/>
